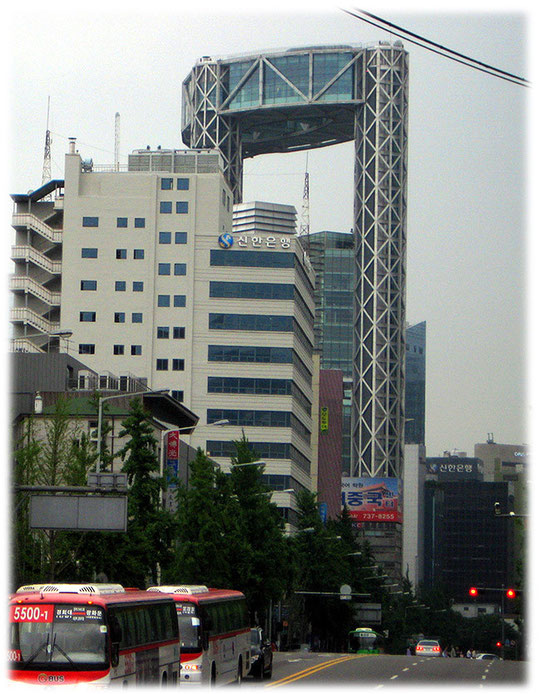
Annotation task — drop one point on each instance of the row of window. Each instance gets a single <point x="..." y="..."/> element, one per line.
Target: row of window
<point x="181" y="184"/>
<point x="119" y="317"/>
<point x="121" y="222"/>
<point x="178" y="268"/>
<point x="165" y="237"/>
<point x="265" y="450"/>
<point x="119" y="286"/>
<point x="180" y="206"/>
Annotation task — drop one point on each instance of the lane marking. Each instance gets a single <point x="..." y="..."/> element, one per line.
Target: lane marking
<point x="405" y="669"/>
<point x="313" y="669"/>
<point x="394" y="677"/>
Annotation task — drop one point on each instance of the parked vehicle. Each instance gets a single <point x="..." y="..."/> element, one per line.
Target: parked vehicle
<point x="261" y="655"/>
<point x="428" y="647"/>
<point x="488" y="656"/>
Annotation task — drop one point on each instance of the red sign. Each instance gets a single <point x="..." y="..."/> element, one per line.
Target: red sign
<point x="32" y="613"/>
<point x="172" y="445"/>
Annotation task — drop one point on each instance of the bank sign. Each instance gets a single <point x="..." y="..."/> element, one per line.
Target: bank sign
<point x="239" y="240"/>
<point x="376" y="499"/>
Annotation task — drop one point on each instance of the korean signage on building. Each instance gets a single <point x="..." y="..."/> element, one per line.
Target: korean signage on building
<point x="373" y="498"/>
<point x="239" y="240"/>
<point x="172" y="448"/>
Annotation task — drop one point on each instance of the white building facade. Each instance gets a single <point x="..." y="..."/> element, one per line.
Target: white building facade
<point x="139" y="270"/>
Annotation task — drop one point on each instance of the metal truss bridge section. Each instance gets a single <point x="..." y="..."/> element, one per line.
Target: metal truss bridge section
<point x="311" y="97"/>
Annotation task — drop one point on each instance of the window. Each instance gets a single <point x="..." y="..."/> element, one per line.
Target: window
<point x="136" y="350"/>
<point x="178" y="364"/>
<point x="138" y="254"/>
<point x="89" y="252"/>
<point x="119" y="286"/>
<point x="139" y="222"/>
<point x="88" y="285"/>
<point x="121" y="254"/>
<point x="165" y="207"/>
<point x="121" y="222"/>
<point x="179" y="333"/>
<point x="119" y="317"/>
<point x="90" y="221"/>
<point x="182" y="207"/>
<point x="178" y="395"/>
<point x="179" y="300"/>
<point x="182" y="184"/>
<point x="180" y="237"/>
<point x="164" y="268"/>
<point x="164" y="237"/>
<point x="118" y="349"/>
<point x="162" y="332"/>
<point x="163" y="300"/>
<point x="179" y="268"/>
<point x="87" y="316"/>
<point x="138" y="286"/>
<point x="162" y="364"/>
<point x="136" y="318"/>
<point x="166" y="184"/>
<point x="87" y="349"/>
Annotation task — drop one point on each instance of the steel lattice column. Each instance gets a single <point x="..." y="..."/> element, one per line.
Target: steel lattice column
<point x="380" y="233"/>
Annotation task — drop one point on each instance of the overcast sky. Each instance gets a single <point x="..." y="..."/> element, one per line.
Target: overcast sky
<point x="467" y="206"/>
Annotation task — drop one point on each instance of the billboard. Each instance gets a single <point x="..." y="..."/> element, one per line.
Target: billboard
<point x="373" y="498"/>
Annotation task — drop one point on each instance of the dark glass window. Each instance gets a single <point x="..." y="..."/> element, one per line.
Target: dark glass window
<point x="89" y="252"/>
<point x="88" y="285"/>
<point x="136" y="317"/>
<point x="162" y="332"/>
<point x="138" y="254"/>
<point x="87" y="349"/>
<point x="178" y="395"/>
<point x="118" y="349"/>
<point x="120" y="286"/>
<point x="164" y="268"/>
<point x="87" y="316"/>
<point x="163" y="300"/>
<point x="164" y="237"/>
<point x="162" y="364"/>
<point x="179" y="268"/>
<point x="260" y="355"/>
<point x="182" y="184"/>
<point x="139" y="222"/>
<point x="239" y="321"/>
<point x="138" y="286"/>
<point x="121" y="254"/>
<point x="180" y="237"/>
<point x="251" y="290"/>
<point x="90" y="221"/>
<point x="179" y="333"/>
<point x="178" y="364"/>
<point x="119" y="317"/>
<point x="121" y="222"/>
<point x="136" y="350"/>
<point x="166" y="184"/>
<point x="182" y="207"/>
<point x="165" y="207"/>
<point x="232" y="258"/>
<point x="179" y="300"/>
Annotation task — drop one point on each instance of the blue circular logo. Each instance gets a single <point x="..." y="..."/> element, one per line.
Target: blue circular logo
<point x="226" y="240"/>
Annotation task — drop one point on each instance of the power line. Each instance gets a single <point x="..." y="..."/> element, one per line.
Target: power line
<point x="460" y="58"/>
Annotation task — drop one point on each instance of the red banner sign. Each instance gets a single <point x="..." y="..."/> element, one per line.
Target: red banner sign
<point x="32" y="613"/>
<point x="172" y="445"/>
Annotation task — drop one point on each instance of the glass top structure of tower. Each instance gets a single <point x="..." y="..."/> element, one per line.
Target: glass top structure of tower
<point x="316" y="96"/>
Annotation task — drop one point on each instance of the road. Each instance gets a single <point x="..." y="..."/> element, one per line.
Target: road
<point x="318" y="669"/>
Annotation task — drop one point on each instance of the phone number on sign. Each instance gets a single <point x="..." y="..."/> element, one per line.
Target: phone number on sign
<point x="374" y="516"/>
<point x="32" y="613"/>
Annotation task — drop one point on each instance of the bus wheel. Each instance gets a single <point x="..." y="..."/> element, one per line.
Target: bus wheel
<point x="213" y="676"/>
<point x="164" y="680"/>
<point x="238" y="679"/>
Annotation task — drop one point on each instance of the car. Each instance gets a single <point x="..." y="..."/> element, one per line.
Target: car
<point x="261" y="655"/>
<point x="488" y="656"/>
<point x="428" y="647"/>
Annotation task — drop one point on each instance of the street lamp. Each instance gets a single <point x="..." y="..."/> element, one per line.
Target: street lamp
<point x="100" y="415"/>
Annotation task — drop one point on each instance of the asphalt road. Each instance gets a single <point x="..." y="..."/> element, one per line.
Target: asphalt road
<point x="375" y="671"/>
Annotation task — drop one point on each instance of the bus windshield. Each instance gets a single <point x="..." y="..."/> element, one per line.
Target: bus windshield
<point x="70" y="636"/>
<point x="189" y="626"/>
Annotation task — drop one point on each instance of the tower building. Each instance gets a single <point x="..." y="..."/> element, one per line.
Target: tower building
<point x="304" y="98"/>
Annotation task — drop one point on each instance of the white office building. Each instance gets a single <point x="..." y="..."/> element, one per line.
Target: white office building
<point x="138" y="273"/>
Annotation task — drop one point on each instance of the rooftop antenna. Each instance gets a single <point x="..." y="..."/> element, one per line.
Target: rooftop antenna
<point x="304" y="221"/>
<point x="117" y="142"/>
<point x="46" y="175"/>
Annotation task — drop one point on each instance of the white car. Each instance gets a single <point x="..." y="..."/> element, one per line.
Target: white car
<point x="487" y="656"/>
<point x="428" y="647"/>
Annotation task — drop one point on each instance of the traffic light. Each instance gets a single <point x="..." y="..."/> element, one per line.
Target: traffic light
<point x="499" y="644"/>
<point x="511" y="593"/>
<point x="473" y="592"/>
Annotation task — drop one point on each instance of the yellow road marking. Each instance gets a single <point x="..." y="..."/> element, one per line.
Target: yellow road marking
<point x="313" y="669"/>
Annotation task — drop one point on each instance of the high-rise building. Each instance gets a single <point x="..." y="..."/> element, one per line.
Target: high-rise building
<point x="313" y="97"/>
<point x="415" y="383"/>
<point x="141" y="270"/>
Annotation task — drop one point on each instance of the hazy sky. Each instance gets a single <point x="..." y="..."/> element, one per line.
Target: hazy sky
<point x="467" y="235"/>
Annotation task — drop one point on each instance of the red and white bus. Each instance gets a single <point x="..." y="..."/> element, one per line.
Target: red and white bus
<point x="214" y="633"/>
<point x="92" y="634"/>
